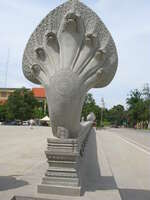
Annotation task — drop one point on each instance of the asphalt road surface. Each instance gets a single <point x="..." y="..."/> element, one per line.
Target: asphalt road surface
<point x="128" y="152"/>
<point x="138" y="137"/>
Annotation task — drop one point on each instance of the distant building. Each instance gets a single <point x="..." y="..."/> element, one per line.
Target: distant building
<point x="5" y="93"/>
<point x="39" y="94"/>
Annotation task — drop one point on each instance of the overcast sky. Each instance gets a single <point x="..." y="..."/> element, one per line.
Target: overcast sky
<point x="127" y="20"/>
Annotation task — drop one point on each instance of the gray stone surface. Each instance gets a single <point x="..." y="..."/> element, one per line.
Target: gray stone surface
<point x="27" y="198"/>
<point x="64" y="155"/>
<point x="59" y="190"/>
<point x="62" y="174"/>
<point x="70" y="52"/>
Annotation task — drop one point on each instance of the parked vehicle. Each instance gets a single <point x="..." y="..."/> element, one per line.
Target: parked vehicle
<point x="10" y="123"/>
<point x="25" y="123"/>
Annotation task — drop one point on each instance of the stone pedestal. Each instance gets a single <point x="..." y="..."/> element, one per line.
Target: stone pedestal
<point x="62" y="175"/>
<point x="63" y="157"/>
<point x="27" y="198"/>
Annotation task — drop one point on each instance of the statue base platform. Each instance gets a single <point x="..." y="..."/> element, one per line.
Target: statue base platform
<point x="62" y="176"/>
<point x="27" y="198"/>
<point x="64" y="156"/>
<point x="59" y="190"/>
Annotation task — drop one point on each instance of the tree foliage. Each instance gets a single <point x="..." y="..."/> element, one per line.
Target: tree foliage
<point x="3" y="112"/>
<point x="23" y="105"/>
<point x="138" y="107"/>
<point x="20" y="105"/>
<point x="90" y="106"/>
<point x="116" y="115"/>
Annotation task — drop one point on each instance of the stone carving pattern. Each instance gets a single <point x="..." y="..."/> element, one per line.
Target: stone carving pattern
<point x="70" y="52"/>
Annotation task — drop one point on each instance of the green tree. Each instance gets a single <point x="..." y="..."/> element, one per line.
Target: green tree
<point x="38" y="112"/>
<point x="90" y="106"/>
<point x="136" y="107"/>
<point x="3" y="112"/>
<point x="117" y="115"/>
<point x="21" y="105"/>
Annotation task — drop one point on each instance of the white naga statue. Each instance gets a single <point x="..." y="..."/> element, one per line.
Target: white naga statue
<point x="70" y="52"/>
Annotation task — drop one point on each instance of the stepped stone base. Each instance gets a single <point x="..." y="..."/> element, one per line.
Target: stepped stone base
<point x="64" y="156"/>
<point x="59" y="190"/>
<point x="27" y="198"/>
<point x="62" y="176"/>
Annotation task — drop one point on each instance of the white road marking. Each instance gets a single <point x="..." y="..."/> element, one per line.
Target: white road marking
<point x="134" y="144"/>
<point x="133" y="141"/>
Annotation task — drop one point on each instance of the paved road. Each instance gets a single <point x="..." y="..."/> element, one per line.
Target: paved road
<point x="139" y="137"/>
<point x="116" y="165"/>
<point x="128" y="153"/>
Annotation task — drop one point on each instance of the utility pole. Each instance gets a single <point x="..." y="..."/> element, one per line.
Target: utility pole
<point x="102" y="110"/>
<point x="6" y="69"/>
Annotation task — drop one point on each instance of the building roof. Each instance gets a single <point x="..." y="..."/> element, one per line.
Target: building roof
<point x="39" y="92"/>
<point x="3" y="101"/>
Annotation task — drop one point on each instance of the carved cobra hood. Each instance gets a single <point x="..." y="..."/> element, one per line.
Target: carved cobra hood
<point x="70" y="52"/>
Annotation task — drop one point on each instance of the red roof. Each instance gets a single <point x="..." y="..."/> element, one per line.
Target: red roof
<point x="39" y="92"/>
<point x="2" y="102"/>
